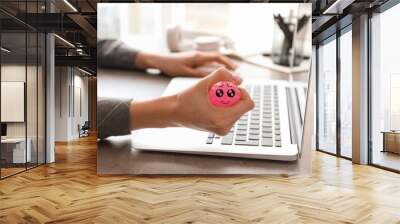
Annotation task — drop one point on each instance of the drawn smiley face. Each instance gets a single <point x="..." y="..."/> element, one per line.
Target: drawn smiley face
<point x="224" y="94"/>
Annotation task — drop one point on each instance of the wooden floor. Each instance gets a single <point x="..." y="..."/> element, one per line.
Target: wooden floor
<point x="69" y="191"/>
<point x="386" y="159"/>
<point x="5" y="172"/>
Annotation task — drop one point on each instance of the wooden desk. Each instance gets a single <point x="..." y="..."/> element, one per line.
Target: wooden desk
<point x="116" y="156"/>
<point x="391" y="141"/>
<point x="13" y="150"/>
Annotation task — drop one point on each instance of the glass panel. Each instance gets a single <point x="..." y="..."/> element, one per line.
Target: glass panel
<point x="23" y="89"/>
<point x="32" y="89"/>
<point x="346" y="93"/>
<point x="41" y="8"/>
<point x="385" y="84"/>
<point x="41" y="98"/>
<point x="13" y="87"/>
<point x="31" y="98"/>
<point x="327" y="96"/>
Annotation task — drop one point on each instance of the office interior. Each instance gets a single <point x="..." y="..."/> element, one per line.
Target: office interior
<point x="48" y="81"/>
<point x="48" y="65"/>
<point x="357" y="84"/>
<point x="67" y="47"/>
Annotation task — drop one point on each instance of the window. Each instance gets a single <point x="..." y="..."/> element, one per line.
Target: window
<point x="385" y="89"/>
<point x="346" y="93"/>
<point x="327" y="96"/>
<point x="335" y="53"/>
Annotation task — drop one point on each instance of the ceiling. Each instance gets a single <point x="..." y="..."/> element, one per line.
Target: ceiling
<point x="331" y="15"/>
<point x="74" y="22"/>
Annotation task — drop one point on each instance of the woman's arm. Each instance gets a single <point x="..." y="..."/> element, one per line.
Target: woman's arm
<point x="113" y="117"/>
<point x="183" y="63"/>
<point x="156" y="113"/>
<point x="190" y="108"/>
<point x="115" y="54"/>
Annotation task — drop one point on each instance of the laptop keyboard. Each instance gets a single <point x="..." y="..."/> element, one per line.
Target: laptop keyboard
<point x="258" y="127"/>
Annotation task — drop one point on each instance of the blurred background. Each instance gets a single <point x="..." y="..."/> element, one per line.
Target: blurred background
<point x="249" y="26"/>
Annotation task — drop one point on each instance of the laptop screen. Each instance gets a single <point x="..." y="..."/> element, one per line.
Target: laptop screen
<point x="307" y="124"/>
<point x="302" y="91"/>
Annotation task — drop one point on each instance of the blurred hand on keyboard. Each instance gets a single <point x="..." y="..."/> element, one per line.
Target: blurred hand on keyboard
<point x="183" y="63"/>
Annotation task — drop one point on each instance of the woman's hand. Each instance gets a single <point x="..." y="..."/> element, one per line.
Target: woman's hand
<point x="182" y="64"/>
<point x="196" y="111"/>
<point x="191" y="108"/>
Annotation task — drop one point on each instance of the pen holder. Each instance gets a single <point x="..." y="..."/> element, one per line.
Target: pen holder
<point x="284" y="45"/>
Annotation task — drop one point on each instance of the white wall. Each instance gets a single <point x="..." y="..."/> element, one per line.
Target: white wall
<point x="70" y="83"/>
<point x="80" y="103"/>
<point x="62" y="81"/>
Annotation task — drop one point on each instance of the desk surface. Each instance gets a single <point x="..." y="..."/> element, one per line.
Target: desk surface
<point x="391" y="132"/>
<point x="116" y="155"/>
<point x="13" y="140"/>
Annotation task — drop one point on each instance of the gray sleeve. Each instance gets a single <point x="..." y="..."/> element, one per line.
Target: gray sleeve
<point x="113" y="117"/>
<point x="115" y="54"/>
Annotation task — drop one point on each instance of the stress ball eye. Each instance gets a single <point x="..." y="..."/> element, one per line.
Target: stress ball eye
<point x="231" y="93"/>
<point x="219" y="93"/>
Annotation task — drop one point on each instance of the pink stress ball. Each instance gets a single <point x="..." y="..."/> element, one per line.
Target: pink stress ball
<point x="224" y="94"/>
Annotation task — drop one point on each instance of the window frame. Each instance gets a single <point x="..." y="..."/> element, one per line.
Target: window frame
<point x="27" y="29"/>
<point x="333" y="37"/>
<point x="381" y="9"/>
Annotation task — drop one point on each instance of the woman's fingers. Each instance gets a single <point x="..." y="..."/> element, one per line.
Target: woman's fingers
<point x="207" y="57"/>
<point x="245" y="104"/>
<point x="225" y="61"/>
<point x="232" y="114"/>
<point x="195" y="72"/>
